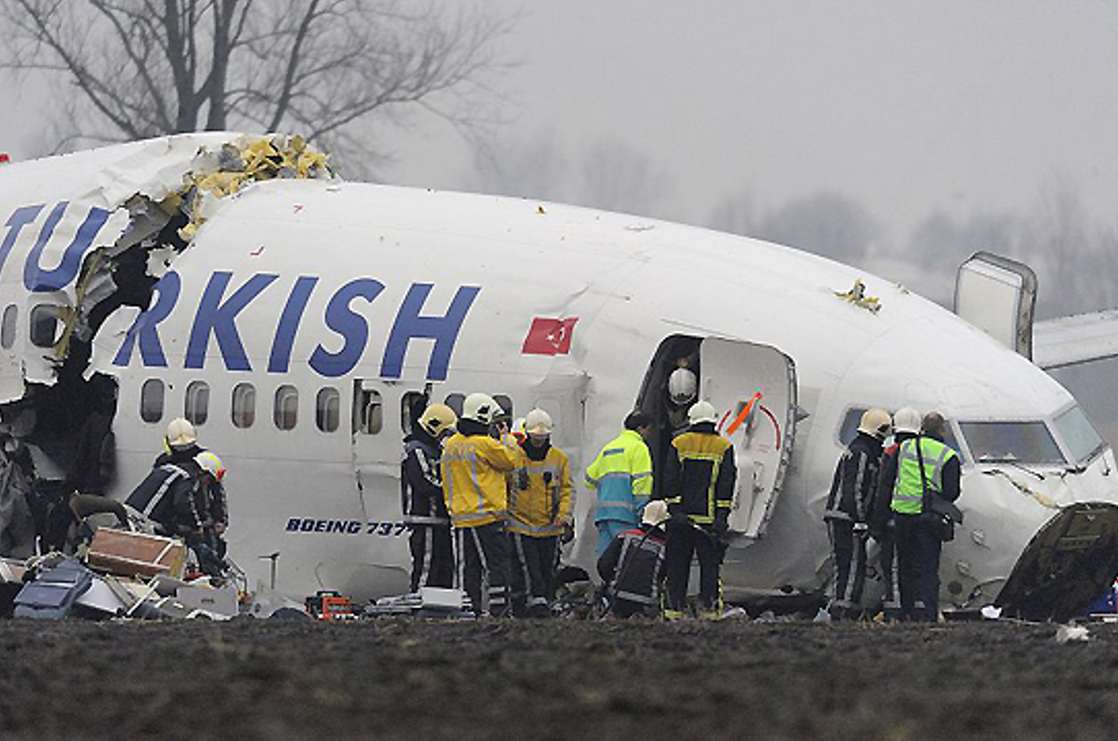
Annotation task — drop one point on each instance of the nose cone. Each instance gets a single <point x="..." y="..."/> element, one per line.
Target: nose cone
<point x="1066" y="566"/>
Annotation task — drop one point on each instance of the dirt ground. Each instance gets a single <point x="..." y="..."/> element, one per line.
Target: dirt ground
<point x="404" y="679"/>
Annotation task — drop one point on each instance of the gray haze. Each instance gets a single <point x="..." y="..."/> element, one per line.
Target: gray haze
<point x="896" y="135"/>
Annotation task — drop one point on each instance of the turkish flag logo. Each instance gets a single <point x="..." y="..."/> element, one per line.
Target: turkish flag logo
<point x="549" y="336"/>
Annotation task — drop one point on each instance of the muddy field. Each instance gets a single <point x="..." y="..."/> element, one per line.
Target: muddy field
<point x="401" y="679"/>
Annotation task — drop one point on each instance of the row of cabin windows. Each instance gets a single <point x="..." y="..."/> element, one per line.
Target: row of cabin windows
<point x="368" y="409"/>
<point x="45" y="327"/>
<point x="285" y="406"/>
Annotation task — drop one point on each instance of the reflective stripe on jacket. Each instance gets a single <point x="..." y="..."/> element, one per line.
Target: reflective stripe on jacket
<point x="700" y="474"/>
<point x="908" y="492"/>
<point x="622" y="474"/>
<point x="474" y="468"/>
<point x="537" y="509"/>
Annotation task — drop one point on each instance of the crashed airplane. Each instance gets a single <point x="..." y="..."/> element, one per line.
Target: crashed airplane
<point x="300" y="321"/>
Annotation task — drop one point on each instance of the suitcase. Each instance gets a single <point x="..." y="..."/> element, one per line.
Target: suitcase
<point x="136" y="554"/>
<point x="53" y="594"/>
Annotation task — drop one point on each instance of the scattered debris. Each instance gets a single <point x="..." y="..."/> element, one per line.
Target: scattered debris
<point x="428" y="602"/>
<point x="857" y="296"/>
<point x="1065" y="633"/>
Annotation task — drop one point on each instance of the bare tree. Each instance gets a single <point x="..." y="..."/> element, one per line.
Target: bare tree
<point x="332" y="70"/>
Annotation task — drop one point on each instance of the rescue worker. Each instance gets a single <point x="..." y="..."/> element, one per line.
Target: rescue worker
<point x="923" y="462"/>
<point x="906" y="425"/>
<point x="682" y="387"/>
<point x="699" y="479"/>
<point x="848" y="509"/>
<point x="632" y="568"/>
<point x="174" y="495"/>
<point x="214" y="511"/>
<point x="474" y="466"/>
<point x="424" y="507"/>
<point x="622" y="476"/>
<point x="540" y="507"/>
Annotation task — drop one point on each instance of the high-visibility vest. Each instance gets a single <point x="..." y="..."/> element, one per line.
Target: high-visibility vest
<point x="474" y="468"/>
<point x="908" y="492"/>
<point x="546" y="499"/>
<point x="622" y="474"/>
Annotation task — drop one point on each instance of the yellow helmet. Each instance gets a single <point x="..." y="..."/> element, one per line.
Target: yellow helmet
<point x="437" y="420"/>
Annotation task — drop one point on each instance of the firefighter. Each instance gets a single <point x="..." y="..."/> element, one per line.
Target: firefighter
<point x="540" y="507"/>
<point x="924" y="462"/>
<point x="174" y="495"/>
<point x="622" y="476"/>
<point x="474" y="466"/>
<point x="906" y="425"/>
<point x="632" y="568"/>
<point x="424" y="507"/>
<point x="848" y="509"/>
<point x="699" y="478"/>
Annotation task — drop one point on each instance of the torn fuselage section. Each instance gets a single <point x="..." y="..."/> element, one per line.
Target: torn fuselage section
<point x="1066" y="566"/>
<point x="109" y="248"/>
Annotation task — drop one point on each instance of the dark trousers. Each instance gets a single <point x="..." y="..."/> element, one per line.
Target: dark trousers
<point x="684" y="541"/>
<point x="482" y="554"/>
<point x="887" y="562"/>
<point x="432" y="556"/>
<point x="918" y="551"/>
<point x="848" y="564"/>
<point x="533" y="565"/>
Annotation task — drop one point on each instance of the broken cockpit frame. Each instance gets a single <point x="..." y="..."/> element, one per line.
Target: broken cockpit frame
<point x="133" y="217"/>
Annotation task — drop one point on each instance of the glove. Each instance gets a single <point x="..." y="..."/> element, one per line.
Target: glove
<point x="568" y="533"/>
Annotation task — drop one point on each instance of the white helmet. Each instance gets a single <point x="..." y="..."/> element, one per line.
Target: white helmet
<point x="702" y="411"/>
<point x="481" y="408"/>
<point x="538" y="422"/>
<point x="210" y="463"/>
<point x="876" y="422"/>
<point x="180" y="433"/>
<point x="682" y="386"/>
<point x="655" y="513"/>
<point x="438" y="419"/>
<point x="907" y="419"/>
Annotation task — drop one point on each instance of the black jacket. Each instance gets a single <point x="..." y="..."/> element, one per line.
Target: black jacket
<point x="170" y="495"/>
<point x="632" y="566"/>
<point x="855" y="480"/>
<point x="421" y="485"/>
<point x="699" y="476"/>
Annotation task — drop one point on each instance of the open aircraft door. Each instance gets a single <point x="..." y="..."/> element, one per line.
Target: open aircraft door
<point x="754" y="388"/>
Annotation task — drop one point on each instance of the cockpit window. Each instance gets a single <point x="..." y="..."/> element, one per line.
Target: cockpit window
<point x="1078" y="434"/>
<point x="1019" y="442"/>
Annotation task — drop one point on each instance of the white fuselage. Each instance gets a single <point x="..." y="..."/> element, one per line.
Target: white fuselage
<point x="375" y="292"/>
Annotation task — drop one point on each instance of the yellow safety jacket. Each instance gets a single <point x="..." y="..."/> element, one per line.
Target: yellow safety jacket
<point x="546" y="498"/>
<point x="474" y="468"/>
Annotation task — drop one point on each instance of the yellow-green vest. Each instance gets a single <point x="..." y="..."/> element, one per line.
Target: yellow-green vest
<point x="908" y="492"/>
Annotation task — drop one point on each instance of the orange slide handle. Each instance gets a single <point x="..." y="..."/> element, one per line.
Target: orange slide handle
<point x="743" y="415"/>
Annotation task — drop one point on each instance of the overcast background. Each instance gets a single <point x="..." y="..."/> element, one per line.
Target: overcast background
<point x="897" y="135"/>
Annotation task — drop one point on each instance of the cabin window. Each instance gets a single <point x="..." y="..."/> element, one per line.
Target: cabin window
<point x="44" y="325"/>
<point x="328" y="409"/>
<point x="1079" y="436"/>
<point x="244" y="405"/>
<point x="151" y="400"/>
<point x="455" y="402"/>
<point x="286" y="410"/>
<point x="196" y="408"/>
<point x="412" y="407"/>
<point x="1011" y="442"/>
<point x="368" y="410"/>
<point x="8" y="326"/>
<point x="849" y="429"/>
